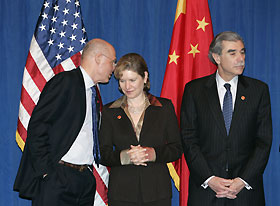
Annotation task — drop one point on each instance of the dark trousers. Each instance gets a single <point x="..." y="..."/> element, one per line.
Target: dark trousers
<point x="163" y="202"/>
<point x="66" y="186"/>
<point x="140" y="202"/>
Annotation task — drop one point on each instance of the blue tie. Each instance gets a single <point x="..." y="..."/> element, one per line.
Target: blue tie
<point x="227" y="107"/>
<point x="96" y="151"/>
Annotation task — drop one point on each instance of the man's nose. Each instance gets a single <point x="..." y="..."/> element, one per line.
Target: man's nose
<point x="241" y="57"/>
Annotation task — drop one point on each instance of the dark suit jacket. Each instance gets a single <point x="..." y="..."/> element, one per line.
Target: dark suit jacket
<point x="53" y="127"/>
<point x="160" y="131"/>
<point x="208" y="149"/>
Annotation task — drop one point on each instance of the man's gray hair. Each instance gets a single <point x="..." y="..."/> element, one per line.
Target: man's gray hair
<point x="216" y="44"/>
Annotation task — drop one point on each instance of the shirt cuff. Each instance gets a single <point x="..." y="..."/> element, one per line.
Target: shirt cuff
<point x="205" y="184"/>
<point x="247" y="186"/>
<point x="125" y="159"/>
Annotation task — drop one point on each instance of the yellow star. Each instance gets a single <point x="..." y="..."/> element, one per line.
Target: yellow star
<point x="202" y="24"/>
<point x="194" y="50"/>
<point x="173" y="58"/>
<point x="181" y="9"/>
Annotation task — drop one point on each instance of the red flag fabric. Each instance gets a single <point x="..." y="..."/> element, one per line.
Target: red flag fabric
<point x="187" y="60"/>
<point x="56" y="46"/>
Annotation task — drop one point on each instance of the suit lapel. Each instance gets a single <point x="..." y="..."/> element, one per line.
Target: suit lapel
<point x="214" y="102"/>
<point x="240" y="103"/>
<point x="150" y="117"/>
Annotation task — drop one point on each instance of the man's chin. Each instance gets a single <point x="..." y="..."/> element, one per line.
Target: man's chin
<point x="239" y="70"/>
<point x="105" y="81"/>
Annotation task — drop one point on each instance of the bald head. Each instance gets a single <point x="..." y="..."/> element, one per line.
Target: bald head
<point x="98" y="60"/>
<point x="94" y="47"/>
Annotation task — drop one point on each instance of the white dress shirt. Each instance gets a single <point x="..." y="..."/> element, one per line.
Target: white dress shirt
<point x="81" y="151"/>
<point x="222" y="90"/>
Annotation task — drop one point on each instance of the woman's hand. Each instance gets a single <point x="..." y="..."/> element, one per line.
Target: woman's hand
<point x="141" y="155"/>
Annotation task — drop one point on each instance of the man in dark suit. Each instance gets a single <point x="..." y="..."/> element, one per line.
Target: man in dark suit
<point x="226" y="130"/>
<point x="56" y="164"/>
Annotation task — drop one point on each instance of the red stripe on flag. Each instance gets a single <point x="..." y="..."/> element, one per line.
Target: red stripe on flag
<point x="100" y="186"/>
<point x="58" y="69"/>
<point x="22" y="131"/>
<point x="76" y="59"/>
<point x="35" y="73"/>
<point x="27" y="101"/>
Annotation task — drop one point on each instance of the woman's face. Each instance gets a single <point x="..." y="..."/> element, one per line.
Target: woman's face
<point x="132" y="84"/>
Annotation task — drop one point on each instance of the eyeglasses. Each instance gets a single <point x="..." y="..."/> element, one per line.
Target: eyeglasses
<point x="114" y="61"/>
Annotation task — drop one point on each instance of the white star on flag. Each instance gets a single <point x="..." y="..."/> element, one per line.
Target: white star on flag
<point x="62" y="34"/>
<point x="45" y="16"/>
<point x="70" y="49"/>
<point x="52" y="31"/>
<point x="66" y="11"/>
<point x="60" y="45"/>
<point x="64" y="22"/>
<point x="74" y="26"/>
<point x="77" y="15"/>
<point x="83" y="41"/>
<point x="50" y="42"/>
<point x="54" y="19"/>
<point x="56" y="8"/>
<point x="42" y="27"/>
<point x="46" y="5"/>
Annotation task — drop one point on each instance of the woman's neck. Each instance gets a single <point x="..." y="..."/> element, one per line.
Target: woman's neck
<point x="137" y="101"/>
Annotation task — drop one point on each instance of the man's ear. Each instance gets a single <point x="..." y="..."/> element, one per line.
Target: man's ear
<point x="97" y="58"/>
<point x="216" y="57"/>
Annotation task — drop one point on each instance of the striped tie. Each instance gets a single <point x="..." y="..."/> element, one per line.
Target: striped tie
<point x="227" y="107"/>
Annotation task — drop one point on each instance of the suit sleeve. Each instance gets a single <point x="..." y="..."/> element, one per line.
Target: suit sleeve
<point x="44" y="114"/>
<point x="109" y="155"/>
<point x="172" y="149"/>
<point x="258" y="159"/>
<point x="196" y="162"/>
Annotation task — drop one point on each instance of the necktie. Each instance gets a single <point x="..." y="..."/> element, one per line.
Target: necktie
<point x="99" y="105"/>
<point x="95" y="111"/>
<point x="227" y="107"/>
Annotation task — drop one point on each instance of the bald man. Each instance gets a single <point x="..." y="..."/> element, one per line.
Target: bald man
<point x="56" y="165"/>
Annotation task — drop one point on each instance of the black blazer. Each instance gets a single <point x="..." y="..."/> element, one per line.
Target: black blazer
<point x="160" y="131"/>
<point x="53" y="127"/>
<point x="208" y="149"/>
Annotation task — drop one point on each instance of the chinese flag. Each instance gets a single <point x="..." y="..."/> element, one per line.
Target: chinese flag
<point x="187" y="60"/>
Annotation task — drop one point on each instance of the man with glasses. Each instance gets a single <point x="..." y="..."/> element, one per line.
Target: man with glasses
<point x="56" y="166"/>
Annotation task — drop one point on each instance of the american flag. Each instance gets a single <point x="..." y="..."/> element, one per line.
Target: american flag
<point x="56" y="46"/>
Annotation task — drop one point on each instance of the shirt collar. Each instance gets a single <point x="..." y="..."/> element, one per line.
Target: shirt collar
<point x="122" y="101"/>
<point x="87" y="79"/>
<point x="220" y="81"/>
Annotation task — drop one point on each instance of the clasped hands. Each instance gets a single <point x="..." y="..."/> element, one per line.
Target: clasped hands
<point x="141" y="155"/>
<point x="226" y="188"/>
